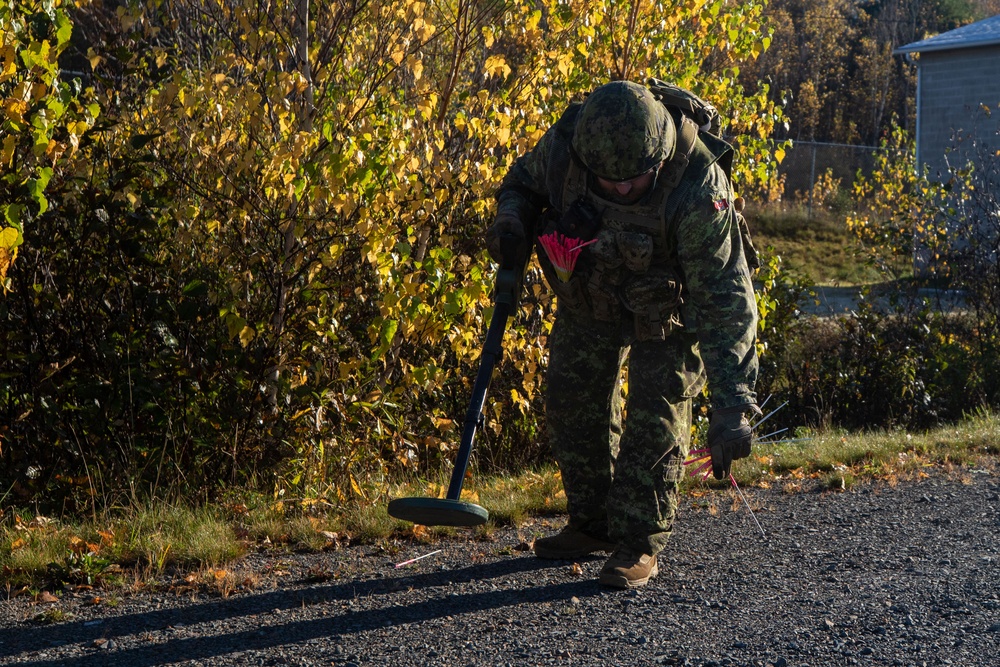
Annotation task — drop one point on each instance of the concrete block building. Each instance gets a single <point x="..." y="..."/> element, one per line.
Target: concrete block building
<point x="958" y="72"/>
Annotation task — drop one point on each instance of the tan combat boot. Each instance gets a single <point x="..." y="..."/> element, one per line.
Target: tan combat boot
<point x="570" y="543"/>
<point x="628" y="569"/>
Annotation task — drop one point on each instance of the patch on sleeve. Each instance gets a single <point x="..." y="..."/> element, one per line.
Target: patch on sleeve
<point x="721" y="204"/>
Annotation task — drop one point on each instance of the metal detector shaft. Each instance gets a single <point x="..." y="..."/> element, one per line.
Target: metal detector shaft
<point x="508" y="284"/>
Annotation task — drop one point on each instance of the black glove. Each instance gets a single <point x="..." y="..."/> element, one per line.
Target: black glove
<point x="504" y="225"/>
<point x="729" y="437"/>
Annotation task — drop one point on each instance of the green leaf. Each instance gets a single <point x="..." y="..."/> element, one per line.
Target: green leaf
<point x="12" y="214"/>
<point x="386" y="334"/>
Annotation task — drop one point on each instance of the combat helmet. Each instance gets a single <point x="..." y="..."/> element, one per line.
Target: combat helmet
<point x="623" y="131"/>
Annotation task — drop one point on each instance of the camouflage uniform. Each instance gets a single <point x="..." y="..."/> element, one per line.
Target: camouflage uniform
<point x="681" y="244"/>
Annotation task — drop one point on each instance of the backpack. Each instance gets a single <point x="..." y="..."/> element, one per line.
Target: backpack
<point x="703" y="113"/>
<point x="707" y="118"/>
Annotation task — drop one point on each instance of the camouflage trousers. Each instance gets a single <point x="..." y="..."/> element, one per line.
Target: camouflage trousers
<point x="621" y="472"/>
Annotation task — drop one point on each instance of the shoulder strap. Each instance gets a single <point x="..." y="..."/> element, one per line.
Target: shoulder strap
<point x="687" y="135"/>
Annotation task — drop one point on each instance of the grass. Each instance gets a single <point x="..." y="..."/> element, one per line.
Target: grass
<point x="817" y="246"/>
<point x="199" y="547"/>
<point x="140" y="545"/>
<point x="835" y="459"/>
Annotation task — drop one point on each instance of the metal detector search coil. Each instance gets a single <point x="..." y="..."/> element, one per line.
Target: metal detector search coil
<point x="450" y="510"/>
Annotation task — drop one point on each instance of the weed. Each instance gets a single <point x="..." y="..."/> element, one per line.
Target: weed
<point x="52" y="616"/>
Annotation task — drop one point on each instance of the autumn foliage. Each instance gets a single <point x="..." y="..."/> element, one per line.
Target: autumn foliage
<point x="248" y="233"/>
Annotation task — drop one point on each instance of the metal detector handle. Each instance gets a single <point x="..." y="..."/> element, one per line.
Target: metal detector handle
<point x="508" y="286"/>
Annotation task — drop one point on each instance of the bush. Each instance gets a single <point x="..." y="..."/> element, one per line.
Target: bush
<point x="912" y="368"/>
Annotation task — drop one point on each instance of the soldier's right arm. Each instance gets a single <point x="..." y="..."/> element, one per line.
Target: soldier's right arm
<point x="535" y="182"/>
<point x="523" y="193"/>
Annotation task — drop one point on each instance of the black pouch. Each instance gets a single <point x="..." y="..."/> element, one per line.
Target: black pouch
<point x="580" y="220"/>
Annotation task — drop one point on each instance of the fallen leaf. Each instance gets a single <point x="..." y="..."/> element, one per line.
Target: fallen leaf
<point x="45" y="597"/>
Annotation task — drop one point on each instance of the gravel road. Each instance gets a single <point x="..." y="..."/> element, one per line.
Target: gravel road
<point x="878" y="575"/>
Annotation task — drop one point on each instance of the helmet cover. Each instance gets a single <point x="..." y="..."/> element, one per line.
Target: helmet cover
<point x="623" y="131"/>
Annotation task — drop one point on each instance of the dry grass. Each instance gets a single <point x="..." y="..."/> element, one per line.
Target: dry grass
<point x="836" y="460"/>
<point x="197" y="550"/>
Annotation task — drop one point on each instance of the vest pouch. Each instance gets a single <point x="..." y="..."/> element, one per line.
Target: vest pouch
<point x="636" y="249"/>
<point x="605" y="250"/>
<point x="654" y="299"/>
<point x="570" y="293"/>
<point x="581" y="220"/>
<point x="603" y="293"/>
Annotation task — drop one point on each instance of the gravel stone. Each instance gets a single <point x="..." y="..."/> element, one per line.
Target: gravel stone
<point x="877" y="575"/>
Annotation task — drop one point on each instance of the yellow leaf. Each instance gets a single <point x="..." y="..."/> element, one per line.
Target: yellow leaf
<point x="357" y="487"/>
<point x="416" y="67"/>
<point x="497" y="65"/>
<point x="9" y="62"/>
<point x="8" y="238"/>
<point x="7" y="154"/>
<point x="246" y="335"/>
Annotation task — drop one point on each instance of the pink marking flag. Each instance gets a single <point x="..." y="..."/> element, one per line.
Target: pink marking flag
<point x="563" y="251"/>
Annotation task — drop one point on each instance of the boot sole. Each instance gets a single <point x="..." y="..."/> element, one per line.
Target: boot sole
<point x="616" y="580"/>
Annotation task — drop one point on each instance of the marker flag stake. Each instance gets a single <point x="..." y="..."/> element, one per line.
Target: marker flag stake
<point x="782" y="441"/>
<point x="747" y="503"/>
<point x="706" y="465"/>
<point x="414" y="560"/>
<point x="771" y="434"/>
<point x="769" y="415"/>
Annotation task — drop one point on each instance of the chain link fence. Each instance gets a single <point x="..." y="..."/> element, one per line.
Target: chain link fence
<point x="807" y="162"/>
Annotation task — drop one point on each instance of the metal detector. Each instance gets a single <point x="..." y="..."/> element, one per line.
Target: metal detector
<point x="450" y="511"/>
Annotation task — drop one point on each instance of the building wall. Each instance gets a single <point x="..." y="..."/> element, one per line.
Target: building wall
<point x="953" y="86"/>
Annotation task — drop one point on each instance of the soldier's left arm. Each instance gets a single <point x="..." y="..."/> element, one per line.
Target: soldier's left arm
<point x="719" y="297"/>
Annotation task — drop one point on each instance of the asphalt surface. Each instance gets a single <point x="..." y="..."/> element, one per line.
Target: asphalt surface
<point x="877" y="575"/>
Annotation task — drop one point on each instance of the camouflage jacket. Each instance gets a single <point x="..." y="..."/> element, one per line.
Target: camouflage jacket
<point x="703" y="244"/>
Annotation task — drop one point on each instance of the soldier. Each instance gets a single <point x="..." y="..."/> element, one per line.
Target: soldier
<point x="638" y="235"/>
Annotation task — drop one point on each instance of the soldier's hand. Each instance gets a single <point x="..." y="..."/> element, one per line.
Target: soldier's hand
<point x="505" y="225"/>
<point x="729" y="437"/>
